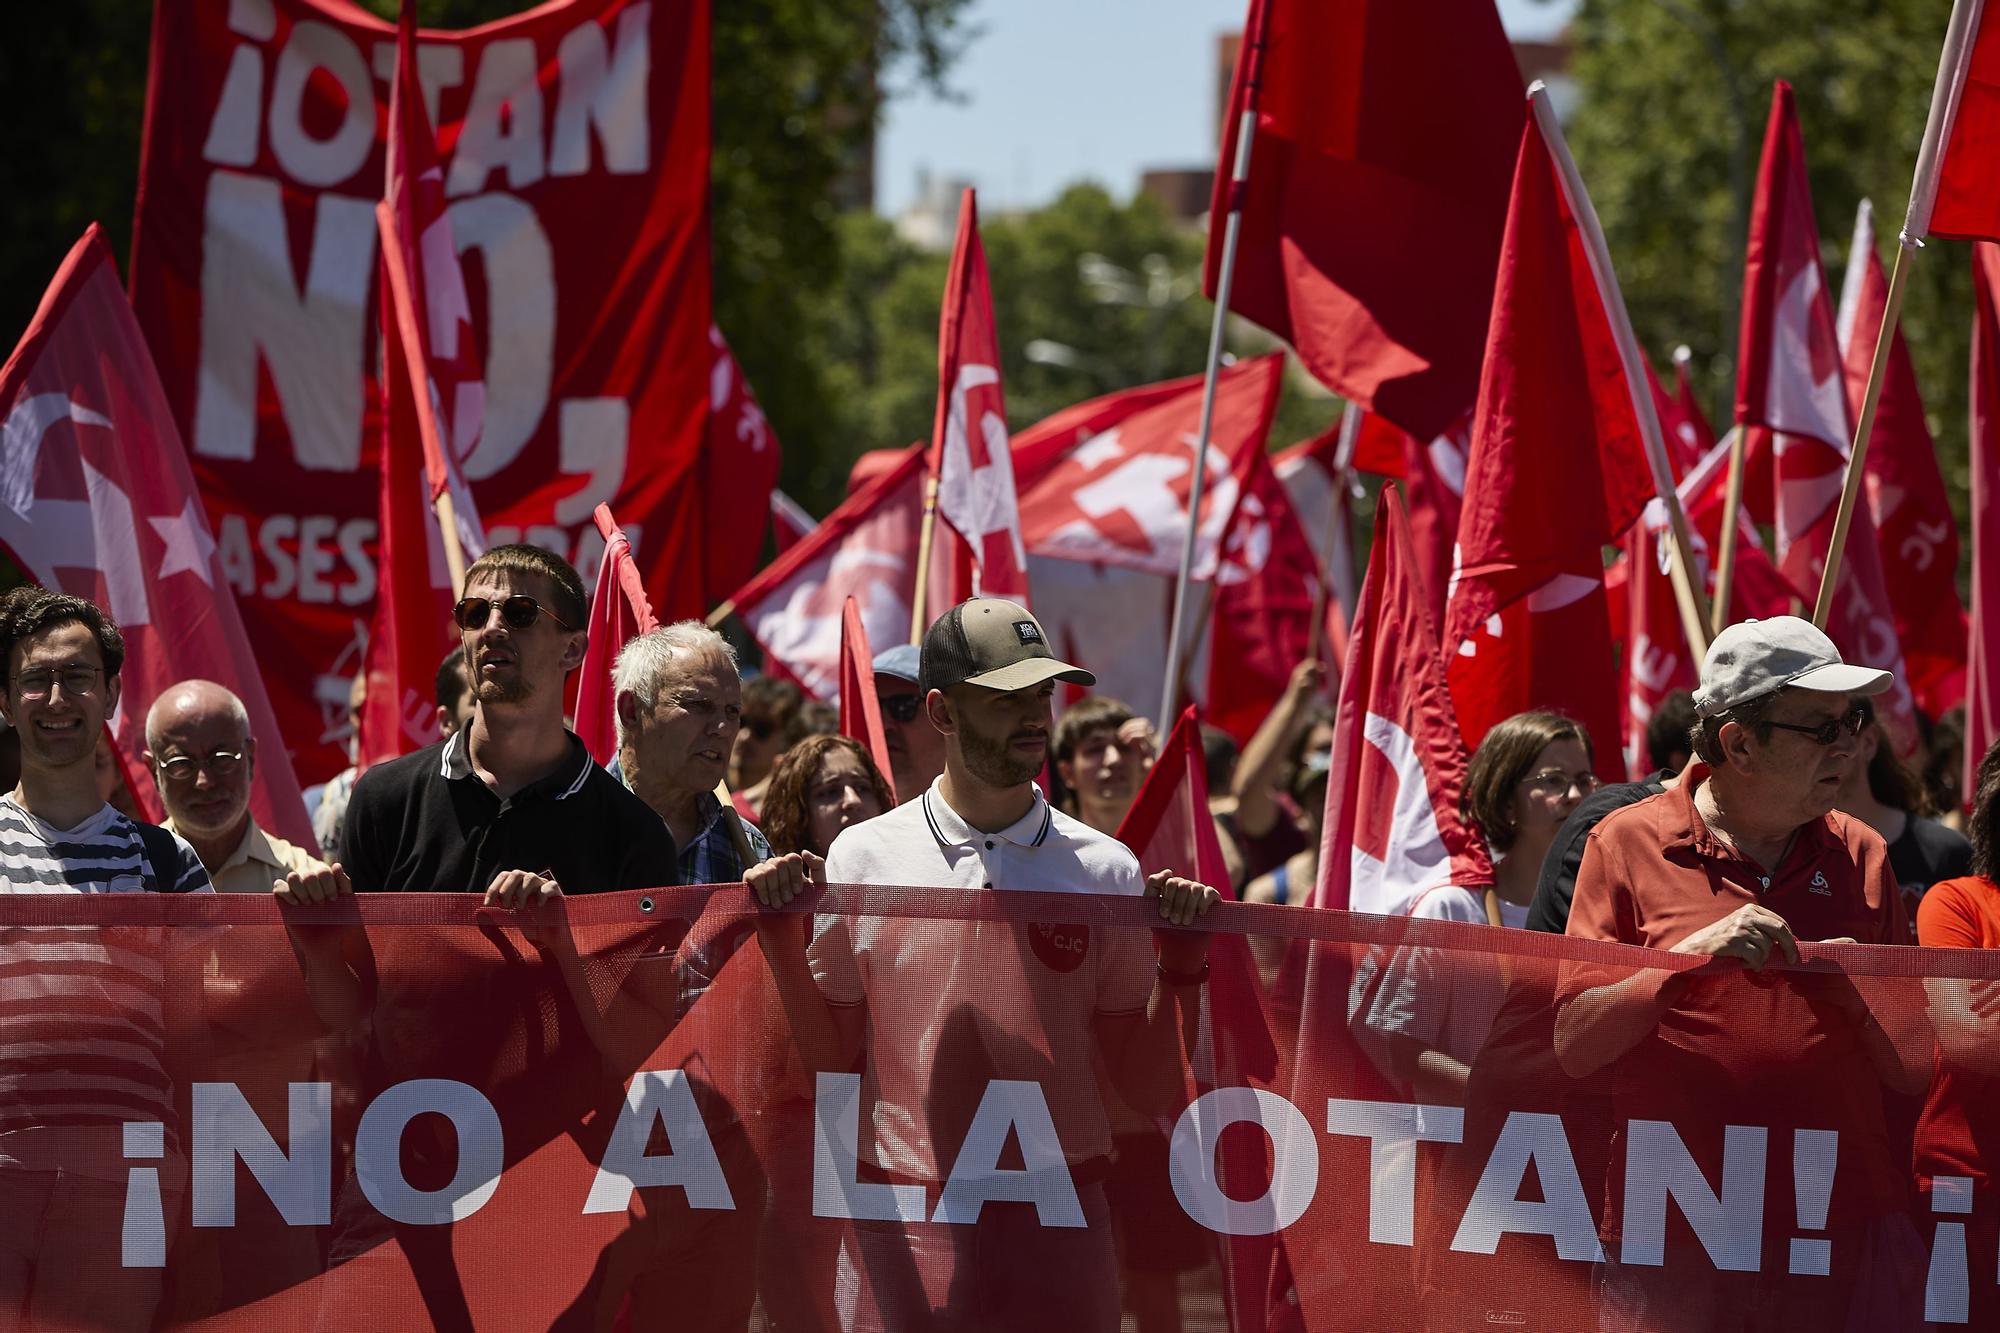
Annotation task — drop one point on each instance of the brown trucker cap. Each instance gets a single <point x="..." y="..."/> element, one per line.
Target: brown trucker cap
<point x="993" y="644"/>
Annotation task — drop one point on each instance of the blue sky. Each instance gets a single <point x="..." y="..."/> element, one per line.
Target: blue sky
<point x="1060" y="90"/>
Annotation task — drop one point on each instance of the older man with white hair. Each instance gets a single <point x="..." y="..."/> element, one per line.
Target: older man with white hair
<point x="201" y="752"/>
<point x="679" y="706"/>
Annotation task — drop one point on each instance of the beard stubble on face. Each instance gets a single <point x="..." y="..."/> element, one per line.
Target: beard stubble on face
<point x="992" y="759"/>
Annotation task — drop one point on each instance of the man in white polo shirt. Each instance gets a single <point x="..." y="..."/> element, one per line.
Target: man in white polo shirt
<point x="951" y="1010"/>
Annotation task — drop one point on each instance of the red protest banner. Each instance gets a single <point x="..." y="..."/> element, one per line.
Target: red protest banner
<point x="1469" y="1155"/>
<point x="574" y="141"/>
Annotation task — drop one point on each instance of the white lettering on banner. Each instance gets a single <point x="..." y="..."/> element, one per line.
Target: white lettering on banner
<point x="1919" y="548"/>
<point x="1294" y="1153"/>
<point x="1498" y="1209"/>
<point x="300" y="1184"/>
<point x="378" y="1152"/>
<point x="315" y="46"/>
<point x="142" y="1242"/>
<point x="838" y="1190"/>
<point x="1393" y="1131"/>
<point x="310" y="338"/>
<point x="1658" y="1166"/>
<point x="324" y="546"/>
<point x="503" y="123"/>
<point x="1018" y="1107"/>
<point x="520" y="323"/>
<point x="439" y="66"/>
<point x="659" y="1097"/>
<point x="613" y="99"/>
<point x="592" y="435"/>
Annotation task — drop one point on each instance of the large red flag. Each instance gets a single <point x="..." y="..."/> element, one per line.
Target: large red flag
<point x="739" y="475"/>
<point x="433" y="407"/>
<point x="1376" y="196"/>
<point x="1690" y="423"/>
<point x="1433" y="477"/>
<point x="1955" y="191"/>
<point x="860" y="710"/>
<point x="1266" y="587"/>
<point x="1557" y="472"/>
<point x="619" y="611"/>
<point x="969" y="456"/>
<point x="1392" y="827"/>
<point x="96" y="499"/>
<point x="1790" y="381"/>
<point x="575" y="145"/>
<point x="1982" y="668"/>
<point x="866" y="549"/>
<point x="1914" y="527"/>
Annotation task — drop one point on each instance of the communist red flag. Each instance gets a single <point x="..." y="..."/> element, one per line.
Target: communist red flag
<point x="1689" y="422"/>
<point x="1954" y="193"/>
<point x="860" y="710"/>
<point x="1376" y="196"/>
<point x="433" y="410"/>
<point x="1557" y="472"/>
<point x="969" y="457"/>
<point x="739" y="475"/>
<point x="1790" y="382"/>
<point x="865" y="549"/>
<point x="96" y="499"/>
<point x="1914" y="527"/>
<point x="1982" y="668"/>
<point x="1392" y="828"/>
<point x="619" y="610"/>
<point x="1433" y="478"/>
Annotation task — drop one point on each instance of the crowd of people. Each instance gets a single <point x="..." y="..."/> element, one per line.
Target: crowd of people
<point x="1777" y="813"/>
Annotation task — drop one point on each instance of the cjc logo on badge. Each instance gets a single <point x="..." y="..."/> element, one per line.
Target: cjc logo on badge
<point x="1028" y="630"/>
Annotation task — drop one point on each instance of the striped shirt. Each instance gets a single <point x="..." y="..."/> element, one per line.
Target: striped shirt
<point x="81" y="1022"/>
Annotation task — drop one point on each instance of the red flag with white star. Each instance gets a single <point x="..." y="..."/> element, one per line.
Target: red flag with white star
<point x="96" y="499"/>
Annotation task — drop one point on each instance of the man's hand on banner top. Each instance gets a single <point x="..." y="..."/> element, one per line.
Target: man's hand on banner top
<point x="777" y="881"/>
<point x="521" y="888"/>
<point x="1752" y="932"/>
<point x="1182" y="901"/>
<point x="306" y="888"/>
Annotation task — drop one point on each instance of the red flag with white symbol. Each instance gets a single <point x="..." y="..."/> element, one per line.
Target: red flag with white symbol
<point x="866" y="549"/>
<point x="739" y="475"/>
<point x="860" y="710"/>
<point x="969" y="455"/>
<point x="1266" y="586"/>
<point x="432" y="414"/>
<point x="1377" y="190"/>
<point x="1790" y="380"/>
<point x="1656" y="660"/>
<point x="1392" y="829"/>
<point x="1955" y="192"/>
<point x="1557" y="471"/>
<point x="1914" y="528"/>
<point x="96" y="499"/>
<point x="619" y="611"/>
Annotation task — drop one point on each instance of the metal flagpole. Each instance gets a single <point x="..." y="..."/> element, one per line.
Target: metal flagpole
<point x="1246" y="134"/>
<point x="1688" y="592"/>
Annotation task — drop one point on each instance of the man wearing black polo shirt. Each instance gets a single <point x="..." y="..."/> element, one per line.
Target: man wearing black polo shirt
<point x="511" y="805"/>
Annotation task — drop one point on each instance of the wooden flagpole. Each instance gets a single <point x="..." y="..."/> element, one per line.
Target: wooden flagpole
<point x="1732" y="507"/>
<point x="1688" y="593"/>
<point x="454" y="553"/>
<point x="1232" y="228"/>
<point x="919" y="622"/>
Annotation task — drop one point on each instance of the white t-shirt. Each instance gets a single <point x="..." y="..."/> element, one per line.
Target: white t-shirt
<point x="1422" y="995"/>
<point x="996" y="999"/>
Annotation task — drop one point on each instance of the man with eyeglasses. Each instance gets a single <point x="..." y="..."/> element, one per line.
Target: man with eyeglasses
<point x="1744" y="859"/>
<point x="916" y="748"/>
<point x="511" y="805"/>
<point x="199" y="746"/>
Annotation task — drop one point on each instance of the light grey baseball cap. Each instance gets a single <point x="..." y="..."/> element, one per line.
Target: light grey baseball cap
<point x="1755" y="657"/>
<point x="901" y="662"/>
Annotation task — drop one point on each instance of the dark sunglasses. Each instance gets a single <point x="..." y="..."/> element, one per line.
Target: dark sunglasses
<point x="901" y="707"/>
<point x="518" y="612"/>
<point x="1826" y="733"/>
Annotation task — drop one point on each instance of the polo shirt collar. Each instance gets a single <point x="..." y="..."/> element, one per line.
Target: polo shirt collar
<point x="1030" y="830"/>
<point x="253" y="846"/>
<point x="455" y="764"/>
<point x="1689" y="829"/>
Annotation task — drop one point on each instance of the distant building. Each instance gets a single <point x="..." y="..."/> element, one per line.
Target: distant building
<point x="931" y="221"/>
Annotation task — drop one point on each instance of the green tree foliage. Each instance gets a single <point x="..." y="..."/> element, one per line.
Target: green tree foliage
<point x="1673" y="99"/>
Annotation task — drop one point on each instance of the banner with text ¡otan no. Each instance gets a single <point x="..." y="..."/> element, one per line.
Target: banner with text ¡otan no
<point x="575" y="145"/>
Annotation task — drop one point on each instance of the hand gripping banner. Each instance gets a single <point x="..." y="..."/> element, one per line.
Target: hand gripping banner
<point x="574" y="145"/>
<point x="900" y="1109"/>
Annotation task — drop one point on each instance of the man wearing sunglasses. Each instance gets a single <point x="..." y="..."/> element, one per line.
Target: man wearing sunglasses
<point x="511" y="805"/>
<point x="916" y="748"/>
<point x="1744" y="859"/>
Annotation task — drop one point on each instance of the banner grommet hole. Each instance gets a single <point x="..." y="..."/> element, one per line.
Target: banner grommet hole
<point x="645" y="904"/>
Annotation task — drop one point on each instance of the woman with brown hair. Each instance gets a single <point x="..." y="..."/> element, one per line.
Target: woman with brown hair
<point x="817" y="788"/>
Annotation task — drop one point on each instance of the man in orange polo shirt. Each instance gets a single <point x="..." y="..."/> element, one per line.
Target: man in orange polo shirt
<point x="1743" y="860"/>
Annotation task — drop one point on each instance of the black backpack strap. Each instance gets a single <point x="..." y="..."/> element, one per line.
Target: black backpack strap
<point x="163" y="856"/>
